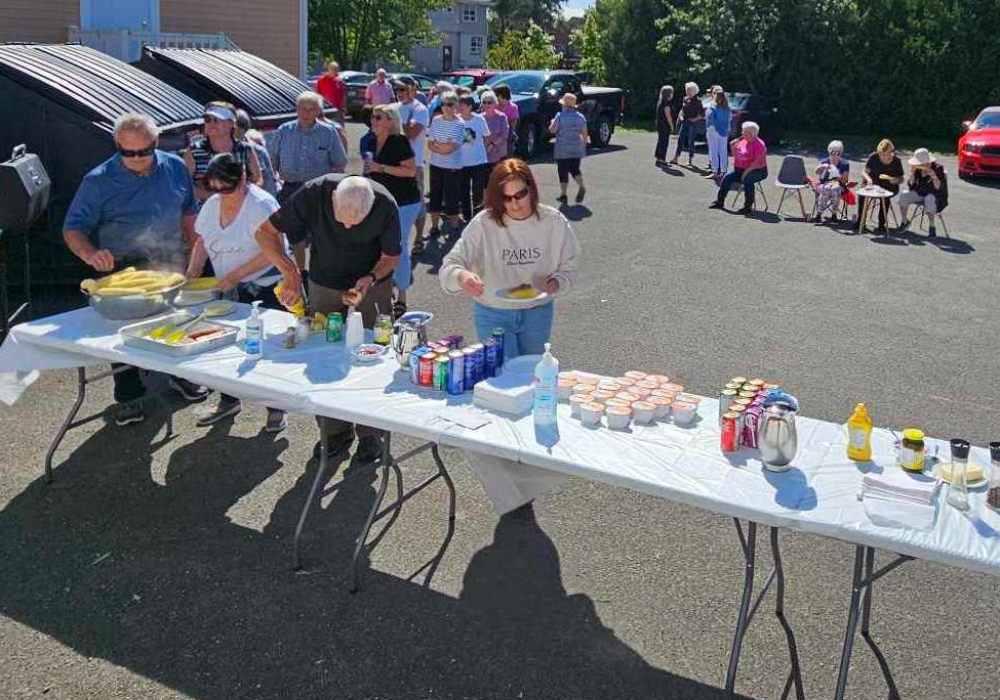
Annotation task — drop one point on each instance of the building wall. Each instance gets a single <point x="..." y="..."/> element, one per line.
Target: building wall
<point x="456" y="32"/>
<point x="43" y="21"/>
<point x="266" y="28"/>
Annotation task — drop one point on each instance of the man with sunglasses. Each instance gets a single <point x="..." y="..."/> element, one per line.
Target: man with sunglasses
<point x="136" y="208"/>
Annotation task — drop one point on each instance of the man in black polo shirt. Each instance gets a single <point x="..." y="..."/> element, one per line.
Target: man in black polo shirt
<point x="353" y="224"/>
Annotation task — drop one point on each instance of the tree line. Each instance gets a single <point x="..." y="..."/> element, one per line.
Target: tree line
<point x="898" y="67"/>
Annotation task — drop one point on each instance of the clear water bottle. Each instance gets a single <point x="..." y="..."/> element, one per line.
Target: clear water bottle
<point x="354" y="333"/>
<point x="253" y="345"/>
<point x="546" y="395"/>
<point x="958" y="489"/>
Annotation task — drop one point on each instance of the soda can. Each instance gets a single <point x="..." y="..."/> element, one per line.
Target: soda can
<point x="497" y="334"/>
<point x="726" y="398"/>
<point x="456" y="381"/>
<point x="479" y="353"/>
<point x="739" y="380"/>
<point x="442" y="366"/>
<point x="733" y="385"/>
<point x="741" y="412"/>
<point x="757" y="382"/>
<point x="741" y="402"/>
<point x="468" y="369"/>
<point x="492" y="358"/>
<point x="427" y="368"/>
<point x="751" y="421"/>
<point x="334" y="328"/>
<point x="728" y="440"/>
<point x="415" y="356"/>
<point x="748" y="395"/>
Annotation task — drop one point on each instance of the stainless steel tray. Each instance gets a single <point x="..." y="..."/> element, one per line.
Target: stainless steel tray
<point x="134" y="335"/>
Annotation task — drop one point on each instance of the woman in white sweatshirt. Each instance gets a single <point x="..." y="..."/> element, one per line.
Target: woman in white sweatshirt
<point x="514" y="242"/>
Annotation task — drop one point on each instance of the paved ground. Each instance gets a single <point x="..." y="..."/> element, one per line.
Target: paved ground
<point x="160" y="569"/>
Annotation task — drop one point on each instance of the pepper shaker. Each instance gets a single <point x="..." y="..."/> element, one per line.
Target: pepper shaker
<point x="958" y="489"/>
<point x="993" y="496"/>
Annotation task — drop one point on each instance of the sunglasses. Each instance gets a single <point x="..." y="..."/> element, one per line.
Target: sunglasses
<point x="517" y="196"/>
<point x="448" y="104"/>
<point x="377" y="117"/>
<point x="141" y="153"/>
<point x="222" y="190"/>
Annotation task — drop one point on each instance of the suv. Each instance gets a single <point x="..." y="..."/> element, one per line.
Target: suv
<point x="747" y="107"/>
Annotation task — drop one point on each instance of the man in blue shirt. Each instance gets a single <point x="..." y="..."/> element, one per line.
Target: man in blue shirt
<point x="136" y="208"/>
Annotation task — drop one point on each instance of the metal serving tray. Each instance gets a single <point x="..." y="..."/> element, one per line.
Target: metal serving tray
<point x="135" y="335"/>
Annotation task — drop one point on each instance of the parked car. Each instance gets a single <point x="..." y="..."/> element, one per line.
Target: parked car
<point x="537" y="94"/>
<point x="345" y="75"/>
<point x="468" y="77"/>
<point x="979" y="146"/>
<point x="355" y="98"/>
<point x="748" y="107"/>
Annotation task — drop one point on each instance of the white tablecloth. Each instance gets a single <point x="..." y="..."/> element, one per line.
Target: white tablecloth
<point x="683" y="464"/>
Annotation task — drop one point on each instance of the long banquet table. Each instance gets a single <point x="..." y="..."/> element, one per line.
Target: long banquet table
<point x="819" y="495"/>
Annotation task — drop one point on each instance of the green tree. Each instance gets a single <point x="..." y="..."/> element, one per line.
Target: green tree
<point x="589" y="41"/>
<point x="528" y="50"/>
<point x="514" y="15"/>
<point x="358" y="32"/>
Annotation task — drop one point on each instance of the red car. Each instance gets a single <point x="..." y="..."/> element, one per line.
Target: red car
<point x="979" y="146"/>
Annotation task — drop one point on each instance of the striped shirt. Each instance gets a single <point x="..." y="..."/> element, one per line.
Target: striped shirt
<point x="301" y="156"/>
<point x="444" y="131"/>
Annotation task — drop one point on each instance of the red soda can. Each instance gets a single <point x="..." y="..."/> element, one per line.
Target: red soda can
<point x="427" y="369"/>
<point x="730" y="424"/>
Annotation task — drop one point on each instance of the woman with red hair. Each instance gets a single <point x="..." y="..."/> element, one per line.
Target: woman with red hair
<point x="513" y="258"/>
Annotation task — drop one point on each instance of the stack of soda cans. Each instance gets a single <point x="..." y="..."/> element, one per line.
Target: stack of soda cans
<point x="740" y="408"/>
<point x="446" y="366"/>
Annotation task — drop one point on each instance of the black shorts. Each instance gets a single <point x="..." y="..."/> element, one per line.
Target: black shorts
<point x="567" y="167"/>
<point x="445" y="191"/>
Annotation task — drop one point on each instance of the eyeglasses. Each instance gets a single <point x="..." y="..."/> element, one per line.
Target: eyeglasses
<point x="517" y="196"/>
<point x="448" y="104"/>
<point x="140" y="153"/>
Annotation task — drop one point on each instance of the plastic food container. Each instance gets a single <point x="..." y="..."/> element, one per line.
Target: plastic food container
<point x="627" y="396"/>
<point x="607" y="385"/>
<point x="662" y="406"/>
<point x="624" y="382"/>
<point x="636" y="376"/>
<point x="644" y="411"/>
<point x="565" y="389"/>
<point x="618" y="417"/>
<point x="590" y="413"/>
<point x="683" y="412"/>
<point x="577" y="400"/>
<point x="600" y="396"/>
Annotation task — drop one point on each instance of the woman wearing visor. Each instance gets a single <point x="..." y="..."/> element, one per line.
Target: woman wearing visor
<point x="225" y="235"/>
<point x="219" y="136"/>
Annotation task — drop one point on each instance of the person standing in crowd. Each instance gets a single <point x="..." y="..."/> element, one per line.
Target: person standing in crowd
<point x="332" y="88"/>
<point x="692" y="112"/>
<point x="220" y="136"/>
<point x="750" y="167"/>
<point x="225" y="231"/>
<point x="136" y="208"/>
<point x="496" y="142"/>
<point x="305" y="148"/>
<point x="379" y="91"/>
<point x="413" y="116"/>
<point x="884" y="169"/>
<point x="514" y="241"/>
<point x="245" y="132"/>
<point x="444" y="140"/>
<point x="833" y="173"/>
<point x="513" y="114"/>
<point x="353" y="224"/>
<point x="664" y="124"/>
<point x="475" y="162"/>
<point x="717" y="122"/>
<point x="928" y="185"/>
<point x="394" y="167"/>
<point x="441" y="87"/>
<point x="572" y="138"/>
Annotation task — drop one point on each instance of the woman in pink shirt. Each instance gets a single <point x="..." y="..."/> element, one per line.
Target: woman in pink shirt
<point x="749" y="167"/>
<point x="513" y="114"/>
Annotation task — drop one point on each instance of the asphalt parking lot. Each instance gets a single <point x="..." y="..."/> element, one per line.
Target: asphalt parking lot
<point x="160" y="568"/>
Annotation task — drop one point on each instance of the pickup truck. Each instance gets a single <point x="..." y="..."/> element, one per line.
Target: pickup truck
<point x="537" y="94"/>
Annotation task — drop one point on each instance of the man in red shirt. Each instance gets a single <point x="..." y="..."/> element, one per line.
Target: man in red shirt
<point x="331" y="87"/>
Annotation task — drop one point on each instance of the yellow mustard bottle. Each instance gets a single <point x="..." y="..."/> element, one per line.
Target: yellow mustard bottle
<point x="859" y="435"/>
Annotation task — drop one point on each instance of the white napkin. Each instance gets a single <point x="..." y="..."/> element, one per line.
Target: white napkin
<point x="894" y="484"/>
<point x="465" y="416"/>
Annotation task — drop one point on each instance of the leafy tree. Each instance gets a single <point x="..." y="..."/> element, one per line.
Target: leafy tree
<point x="515" y="15"/>
<point x="357" y="32"/>
<point x="590" y="41"/>
<point x="527" y="50"/>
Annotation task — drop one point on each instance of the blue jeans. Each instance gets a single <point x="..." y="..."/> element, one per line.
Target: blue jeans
<point x="525" y="330"/>
<point x="685" y="137"/>
<point x="402" y="276"/>
<point x="749" y="189"/>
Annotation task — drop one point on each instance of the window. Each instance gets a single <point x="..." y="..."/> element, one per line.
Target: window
<point x="469" y="14"/>
<point x="476" y="45"/>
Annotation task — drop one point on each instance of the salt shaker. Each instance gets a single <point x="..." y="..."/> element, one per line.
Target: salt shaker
<point x="958" y="489"/>
<point x="993" y="496"/>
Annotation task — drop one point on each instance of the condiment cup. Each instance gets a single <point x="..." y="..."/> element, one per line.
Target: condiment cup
<point x="600" y="396"/>
<point x="627" y="397"/>
<point x="618" y="417"/>
<point x="581" y="388"/>
<point x="624" y="381"/>
<point x="575" y="401"/>
<point x="590" y="413"/>
<point x="644" y="411"/>
<point x="610" y="386"/>
<point x="618" y="402"/>
<point x="587" y="378"/>
<point x="663" y="393"/>
<point x="658" y="378"/>
<point x="673" y="388"/>
<point x="637" y="376"/>
<point x="683" y="412"/>
<point x="571" y="375"/>
<point x="565" y="387"/>
<point x="662" y="405"/>
<point x="646" y="384"/>
<point x="640" y="391"/>
<point x="688" y="398"/>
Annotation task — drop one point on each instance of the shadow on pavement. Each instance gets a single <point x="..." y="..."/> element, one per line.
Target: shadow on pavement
<point x="154" y="576"/>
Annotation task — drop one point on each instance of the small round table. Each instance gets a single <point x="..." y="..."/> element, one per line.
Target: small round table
<point x="870" y="193"/>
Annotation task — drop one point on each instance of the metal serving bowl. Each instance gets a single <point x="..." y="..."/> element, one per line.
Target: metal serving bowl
<point x="133" y="306"/>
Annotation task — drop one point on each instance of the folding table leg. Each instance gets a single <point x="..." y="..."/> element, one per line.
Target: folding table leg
<point x="852" y="621"/>
<point x="749" y="551"/>
<point x="81" y="393"/>
<point x="324" y="462"/>
<point x="386" y="467"/>
<point x="869" y="590"/>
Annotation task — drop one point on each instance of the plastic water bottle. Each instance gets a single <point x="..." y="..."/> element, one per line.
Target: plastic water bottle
<point x="253" y="346"/>
<point x="354" y="333"/>
<point x="546" y="396"/>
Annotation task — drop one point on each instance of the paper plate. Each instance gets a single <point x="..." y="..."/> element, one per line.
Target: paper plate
<point x="505" y="295"/>
<point x="222" y="307"/>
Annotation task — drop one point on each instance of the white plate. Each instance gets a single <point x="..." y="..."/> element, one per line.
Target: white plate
<point x="380" y="351"/>
<point x="502" y="294"/>
<point x="971" y="484"/>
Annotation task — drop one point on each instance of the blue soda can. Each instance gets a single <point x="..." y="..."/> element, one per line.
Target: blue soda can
<point x="497" y="334"/>
<point x="456" y="382"/>
<point x="468" y="368"/>
<point x="415" y="363"/>
<point x="479" y="353"/>
<point x="492" y="358"/>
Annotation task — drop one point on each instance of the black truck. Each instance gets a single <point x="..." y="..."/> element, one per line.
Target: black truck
<point x="537" y="93"/>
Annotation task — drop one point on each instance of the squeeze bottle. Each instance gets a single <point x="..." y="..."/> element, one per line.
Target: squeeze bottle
<point x="546" y="397"/>
<point x="253" y="345"/>
<point x="354" y="333"/>
<point x="859" y="435"/>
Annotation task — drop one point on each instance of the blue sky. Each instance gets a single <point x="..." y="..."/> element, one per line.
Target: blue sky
<point x="576" y="7"/>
